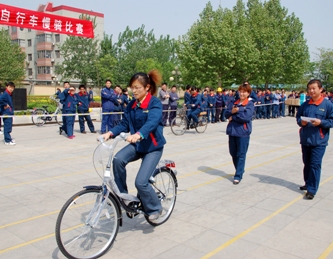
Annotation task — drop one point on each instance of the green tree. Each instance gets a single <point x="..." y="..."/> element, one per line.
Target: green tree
<point x="80" y="58"/>
<point x="11" y="60"/>
<point x="324" y="66"/>
<point x="279" y="39"/>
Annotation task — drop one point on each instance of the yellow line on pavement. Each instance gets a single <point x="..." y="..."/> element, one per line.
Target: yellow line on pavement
<point x="245" y="232"/>
<point x="188" y="189"/>
<point x="327" y="252"/>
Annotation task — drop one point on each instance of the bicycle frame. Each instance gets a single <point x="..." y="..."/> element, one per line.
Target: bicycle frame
<point x="108" y="180"/>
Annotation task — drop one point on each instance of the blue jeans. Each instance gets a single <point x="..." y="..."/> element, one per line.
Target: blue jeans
<point x="7" y="128"/>
<point x="312" y="158"/>
<point x="275" y="113"/>
<point x="107" y="122"/>
<point x="148" y="197"/>
<point x="88" y="120"/>
<point x="238" y="148"/>
<point x="211" y="114"/>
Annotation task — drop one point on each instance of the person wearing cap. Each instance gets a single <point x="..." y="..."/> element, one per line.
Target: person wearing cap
<point x="315" y="117"/>
<point x="239" y="113"/>
<point x="219" y="103"/>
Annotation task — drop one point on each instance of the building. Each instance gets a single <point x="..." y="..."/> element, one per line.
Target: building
<point x="42" y="48"/>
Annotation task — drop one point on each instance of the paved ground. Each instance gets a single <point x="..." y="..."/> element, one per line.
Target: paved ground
<point x="265" y="216"/>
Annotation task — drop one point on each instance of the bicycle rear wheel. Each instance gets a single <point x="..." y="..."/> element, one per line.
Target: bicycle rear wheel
<point x="202" y="124"/>
<point x="37" y="117"/>
<point x="178" y="125"/>
<point x="166" y="190"/>
<point x="58" y="117"/>
<point x="77" y="235"/>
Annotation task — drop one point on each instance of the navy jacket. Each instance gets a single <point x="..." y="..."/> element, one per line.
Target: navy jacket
<point x="173" y="100"/>
<point x="147" y="120"/>
<point x="204" y="101"/>
<point x="219" y="100"/>
<point x="109" y="98"/>
<point x="196" y="100"/>
<point x="6" y="98"/>
<point x="309" y="134"/>
<point x="83" y="101"/>
<point x="70" y="101"/>
<point x="187" y="97"/>
<point x="211" y="100"/>
<point x="241" y="123"/>
<point x="253" y="97"/>
<point x="269" y="98"/>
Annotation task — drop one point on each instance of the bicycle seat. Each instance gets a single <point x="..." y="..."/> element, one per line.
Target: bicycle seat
<point x="45" y="107"/>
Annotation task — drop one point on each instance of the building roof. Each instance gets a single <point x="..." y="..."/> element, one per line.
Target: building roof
<point x="49" y="8"/>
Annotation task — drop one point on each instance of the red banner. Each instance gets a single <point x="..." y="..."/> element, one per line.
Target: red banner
<point x="23" y="18"/>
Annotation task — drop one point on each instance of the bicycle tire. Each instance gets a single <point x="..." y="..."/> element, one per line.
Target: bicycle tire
<point x="56" y="115"/>
<point x="37" y="115"/>
<point x="166" y="189"/>
<point x="202" y="124"/>
<point x="178" y="126"/>
<point x="77" y="239"/>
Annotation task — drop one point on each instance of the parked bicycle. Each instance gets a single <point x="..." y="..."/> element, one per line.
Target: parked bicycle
<point x="181" y="123"/>
<point x="89" y="221"/>
<point x="42" y="115"/>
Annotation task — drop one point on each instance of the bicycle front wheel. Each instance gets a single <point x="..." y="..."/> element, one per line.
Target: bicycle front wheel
<point x="81" y="231"/>
<point x="178" y="125"/>
<point x="202" y="124"/>
<point x="37" y="117"/>
<point x="58" y="117"/>
<point x="166" y="190"/>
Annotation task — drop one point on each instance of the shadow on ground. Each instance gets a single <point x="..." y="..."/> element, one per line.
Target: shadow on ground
<point x="277" y="181"/>
<point x="216" y="172"/>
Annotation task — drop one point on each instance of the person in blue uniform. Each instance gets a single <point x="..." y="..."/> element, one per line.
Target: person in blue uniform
<point x="61" y="97"/>
<point x="314" y="135"/>
<point x="143" y="120"/>
<point x="118" y="105"/>
<point x="268" y="104"/>
<point x="282" y="107"/>
<point x="84" y="100"/>
<point x="195" y="105"/>
<point x="224" y="104"/>
<point x="218" y="104"/>
<point x="173" y="102"/>
<point x="7" y="108"/>
<point x="211" y="106"/>
<point x="70" y="103"/>
<point x="109" y="98"/>
<point x="239" y="113"/>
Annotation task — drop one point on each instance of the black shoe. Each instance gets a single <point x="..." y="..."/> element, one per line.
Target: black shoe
<point x="94" y="131"/>
<point x="303" y="188"/>
<point x="83" y="132"/>
<point x="309" y="195"/>
<point x="235" y="182"/>
<point x="60" y="130"/>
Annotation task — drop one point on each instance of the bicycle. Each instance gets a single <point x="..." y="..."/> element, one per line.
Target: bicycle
<point x="181" y="123"/>
<point x="41" y="115"/>
<point x="88" y="223"/>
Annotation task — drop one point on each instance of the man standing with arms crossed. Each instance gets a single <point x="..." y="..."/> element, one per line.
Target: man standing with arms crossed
<point x="315" y="117"/>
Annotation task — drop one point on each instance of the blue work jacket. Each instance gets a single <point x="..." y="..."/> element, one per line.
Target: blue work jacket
<point x="6" y="98"/>
<point x="83" y="101"/>
<point x="109" y="98"/>
<point x="315" y="135"/>
<point x="195" y="102"/>
<point x="187" y="97"/>
<point x="145" y="120"/>
<point x="219" y="100"/>
<point x="241" y="122"/>
<point x="211" y="100"/>
<point x="69" y="100"/>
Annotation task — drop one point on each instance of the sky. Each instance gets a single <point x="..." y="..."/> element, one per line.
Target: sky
<point x="175" y="17"/>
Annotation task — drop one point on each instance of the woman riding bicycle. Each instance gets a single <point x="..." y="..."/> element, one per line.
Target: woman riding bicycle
<point x="143" y="119"/>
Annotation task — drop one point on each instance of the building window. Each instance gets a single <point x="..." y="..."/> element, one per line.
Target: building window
<point x="44" y="54"/>
<point x="29" y="30"/>
<point x="44" y="38"/>
<point x="57" y="53"/>
<point x="44" y="70"/>
<point x="29" y="57"/>
<point x="29" y="43"/>
<point x="19" y="42"/>
<point x="30" y="72"/>
<point x="57" y="37"/>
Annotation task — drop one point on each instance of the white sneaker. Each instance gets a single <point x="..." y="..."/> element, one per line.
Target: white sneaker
<point x="1" y="133"/>
<point x="11" y="143"/>
<point x="13" y="140"/>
